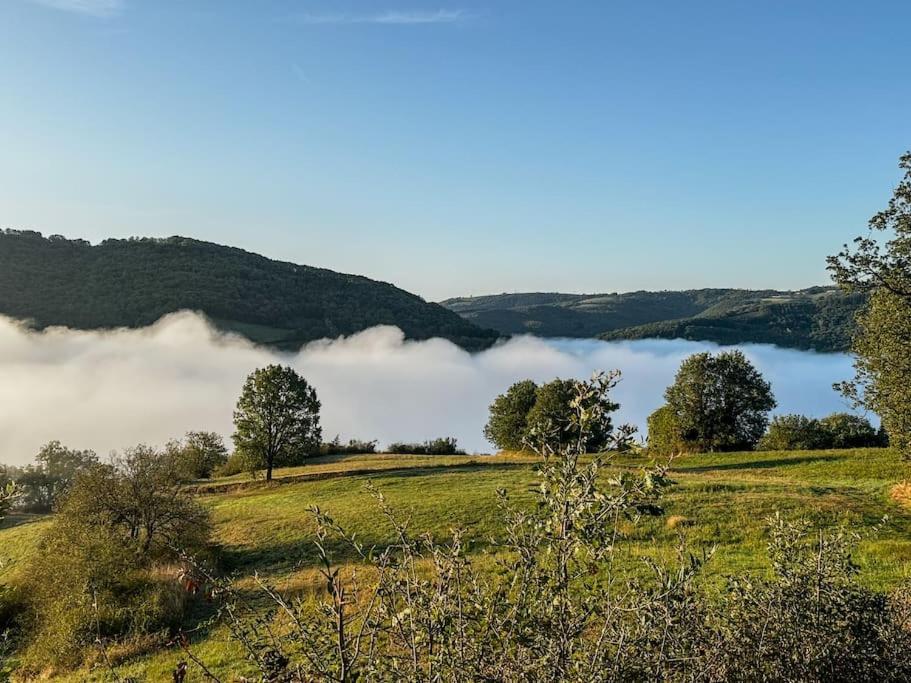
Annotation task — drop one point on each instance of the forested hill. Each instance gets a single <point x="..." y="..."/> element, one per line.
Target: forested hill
<point x="133" y="282"/>
<point x="819" y="318"/>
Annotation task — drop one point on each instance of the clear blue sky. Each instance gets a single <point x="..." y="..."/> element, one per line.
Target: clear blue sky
<point x="463" y="148"/>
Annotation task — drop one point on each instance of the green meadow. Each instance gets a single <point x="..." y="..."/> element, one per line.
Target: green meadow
<point x="718" y="501"/>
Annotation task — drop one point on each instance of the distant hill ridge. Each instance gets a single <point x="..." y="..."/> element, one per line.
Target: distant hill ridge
<point x="134" y="282"/>
<point x="817" y="318"/>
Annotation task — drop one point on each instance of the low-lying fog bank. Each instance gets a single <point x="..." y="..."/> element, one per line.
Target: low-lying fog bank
<point x="108" y="390"/>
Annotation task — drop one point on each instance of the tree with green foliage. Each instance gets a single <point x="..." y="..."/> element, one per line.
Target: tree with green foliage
<point x="802" y="433"/>
<point x="55" y="468"/>
<point x="527" y="412"/>
<point x="880" y="263"/>
<point x="276" y="421"/>
<point x="844" y="430"/>
<point x="721" y="402"/>
<point x="507" y="426"/>
<point x="199" y="454"/>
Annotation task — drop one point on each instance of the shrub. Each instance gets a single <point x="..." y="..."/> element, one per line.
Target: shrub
<point x="353" y="447"/>
<point x="811" y="620"/>
<point x="794" y="433"/>
<point x="235" y="464"/>
<point x="527" y="411"/>
<point x="551" y="417"/>
<point x="844" y="430"/>
<point x="664" y="436"/>
<point x="839" y="430"/>
<point x="106" y="567"/>
<point x="441" y="446"/>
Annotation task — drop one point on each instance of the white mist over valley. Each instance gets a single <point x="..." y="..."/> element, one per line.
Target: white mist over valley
<point x="113" y="389"/>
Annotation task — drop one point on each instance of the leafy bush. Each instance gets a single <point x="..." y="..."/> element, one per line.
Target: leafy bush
<point x="106" y="569"/>
<point x="794" y="433"/>
<point x="812" y="620"/>
<point x="507" y="427"/>
<point x="441" y="446"/>
<point x="235" y="464"/>
<point x="839" y="430"/>
<point x="353" y="447"/>
<point x="850" y="431"/>
<point x="55" y="468"/>
<point x="664" y="435"/>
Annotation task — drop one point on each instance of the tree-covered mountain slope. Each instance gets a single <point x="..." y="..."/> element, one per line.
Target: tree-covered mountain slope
<point x="134" y="282"/>
<point x="819" y="318"/>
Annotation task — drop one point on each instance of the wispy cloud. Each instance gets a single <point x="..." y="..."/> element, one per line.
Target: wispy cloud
<point x="390" y="17"/>
<point x="95" y="8"/>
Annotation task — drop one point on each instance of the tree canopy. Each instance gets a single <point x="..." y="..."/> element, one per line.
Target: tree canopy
<point x="276" y="421"/>
<point x="528" y="412"/>
<point x="879" y="263"/>
<point x="134" y="282"/>
<point x="720" y="402"/>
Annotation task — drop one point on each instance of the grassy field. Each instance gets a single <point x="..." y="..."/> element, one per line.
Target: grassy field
<point x="725" y="498"/>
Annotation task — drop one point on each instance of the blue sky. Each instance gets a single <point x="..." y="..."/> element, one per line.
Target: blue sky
<point x="463" y="148"/>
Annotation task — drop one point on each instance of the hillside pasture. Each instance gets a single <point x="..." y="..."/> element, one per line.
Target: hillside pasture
<point x="719" y="501"/>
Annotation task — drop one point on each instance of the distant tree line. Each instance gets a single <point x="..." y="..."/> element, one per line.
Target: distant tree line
<point x="819" y="318"/>
<point x="838" y="430"/>
<point x="717" y="402"/>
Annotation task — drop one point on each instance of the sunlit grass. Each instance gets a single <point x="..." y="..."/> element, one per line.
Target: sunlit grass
<point x="725" y="498"/>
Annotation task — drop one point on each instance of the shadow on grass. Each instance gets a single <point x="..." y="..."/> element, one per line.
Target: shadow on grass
<point x="285" y="556"/>
<point x="758" y="464"/>
<point x="21" y="518"/>
<point x="370" y="473"/>
<point x="438" y="469"/>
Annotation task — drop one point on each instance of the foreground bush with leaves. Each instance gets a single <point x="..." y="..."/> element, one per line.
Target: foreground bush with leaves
<point x="105" y="572"/>
<point x="558" y="608"/>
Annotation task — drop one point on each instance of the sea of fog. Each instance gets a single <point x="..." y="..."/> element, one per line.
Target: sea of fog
<point x="109" y="390"/>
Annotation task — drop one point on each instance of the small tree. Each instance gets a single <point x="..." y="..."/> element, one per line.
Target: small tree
<point x="55" y="469"/>
<point x="199" y="454"/>
<point x="276" y="421"/>
<point x="721" y="402"/>
<point x="553" y="414"/>
<point x="507" y="426"/>
<point x="881" y="348"/>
